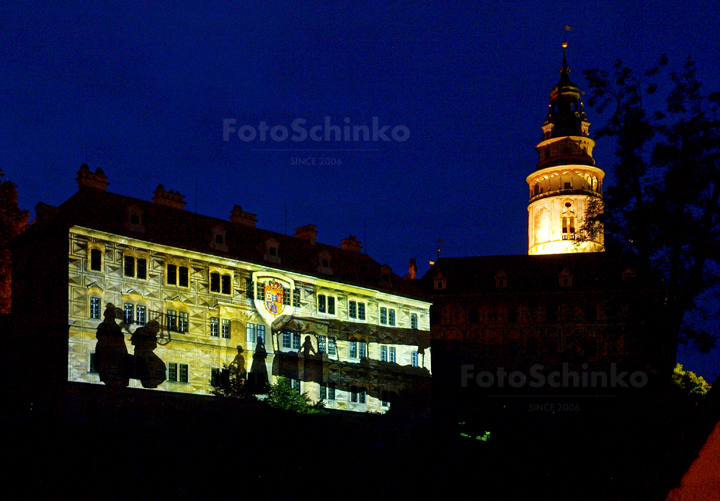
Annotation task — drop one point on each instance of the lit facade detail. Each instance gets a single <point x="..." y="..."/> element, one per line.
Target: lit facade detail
<point x="135" y="305"/>
<point x="565" y="179"/>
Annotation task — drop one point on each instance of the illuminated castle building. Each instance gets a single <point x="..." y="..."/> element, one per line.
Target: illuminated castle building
<point x="116" y="290"/>
<point x="565" y="180"/>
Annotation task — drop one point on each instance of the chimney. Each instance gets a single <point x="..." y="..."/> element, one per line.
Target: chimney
<point x="351" y="244"/>
<point x="307" y="232"/>
<point x="169" y="198"/>
<point x="245" y="218"/>
<point x="412" y="270"/>
<point x="86" y="179"/>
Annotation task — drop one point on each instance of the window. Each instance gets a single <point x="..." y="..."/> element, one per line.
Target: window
<point x="414" y="359"/>
<point x="361" y="311"/>
<point x="177" y="373"/>
<point x="568" y="228"/>
<point x="331" y="391"/>
<point x="129" y="313"/>
<point x="358" y="349"/>
<point x="387" y="354"/>
<point x="254" y="333"/>
<point x="214" y="326"/>
<point x="272" y="251"/>
<point x="249" y="289"/>
<point x="357" y="394"/>
<point x="286" y="339"/>
<point x="296" y="341"/>
<point x="296" y="296"/>
<point x="332" y="347"/>
<point x="172" y="274"/>
<point x="183" y="321"/>
<point x="219" y="377"/>
<point x="414" y="320"/>
<point x="141" y="314"/>
<point x="95" y="308"/>
<point x="321" y="343"/>
<point x="295" y="385"/>
<point x="565" y="278"/>
<point x="439" y="282"/>
<point x="387" y="316"/>
<point x="220" y="283"/>
<point x="226" y="328"/>
<point x="92" y="369"/>
<point x="95" y="259"/>
<point x="352" y="309"/>
<point x="387" y="397"/>
<point x="142" y="268"/>
<point x="286" y="296"/>
<point x="326" y="304"/>
<point x="178" y="275"/>
<point x="131" y="270"/>
<point x="171" y="320"/>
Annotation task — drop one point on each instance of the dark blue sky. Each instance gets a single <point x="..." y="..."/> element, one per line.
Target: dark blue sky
<point x="146" y="89"/>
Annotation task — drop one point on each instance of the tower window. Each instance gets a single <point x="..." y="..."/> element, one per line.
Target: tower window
<point x="568" y="228"/>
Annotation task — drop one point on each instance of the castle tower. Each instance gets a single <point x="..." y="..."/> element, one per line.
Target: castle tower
<point x="565" y="179"/>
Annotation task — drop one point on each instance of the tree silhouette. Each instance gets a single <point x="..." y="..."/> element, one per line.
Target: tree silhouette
<point x="13" y="221"/>
<point x="664" y="204"/>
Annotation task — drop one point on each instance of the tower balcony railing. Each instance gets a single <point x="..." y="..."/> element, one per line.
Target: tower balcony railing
<point x="565" y="191"/>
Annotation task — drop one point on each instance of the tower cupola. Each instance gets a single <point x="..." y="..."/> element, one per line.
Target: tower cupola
<point x="565" y="178"/>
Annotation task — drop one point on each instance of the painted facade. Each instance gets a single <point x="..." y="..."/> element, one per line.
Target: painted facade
<point x="192" y="301"/>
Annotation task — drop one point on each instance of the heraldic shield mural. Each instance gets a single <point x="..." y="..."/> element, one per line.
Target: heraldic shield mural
<point x="273" y="296"/>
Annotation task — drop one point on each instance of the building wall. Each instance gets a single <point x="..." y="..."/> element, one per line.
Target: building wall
<point x="201" y="352"/>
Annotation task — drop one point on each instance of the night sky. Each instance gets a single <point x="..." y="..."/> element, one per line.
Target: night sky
<point x="142" y="92"/>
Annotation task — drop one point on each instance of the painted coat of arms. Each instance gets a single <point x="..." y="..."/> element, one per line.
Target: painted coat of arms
<point x="274" y="297"/>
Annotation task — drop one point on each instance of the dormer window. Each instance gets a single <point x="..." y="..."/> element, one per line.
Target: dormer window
<point x="324" y="263"/>
<point x="135" y="219"/>
<point x="218" y="241"/>
<point x="500" y="280"/>
<point x="565" y="278"/>
<point x="440" y="282"/>
<point x="272" y="251"/>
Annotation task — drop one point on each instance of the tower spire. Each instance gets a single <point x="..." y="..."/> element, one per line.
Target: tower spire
<point x="565" y="69"/>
